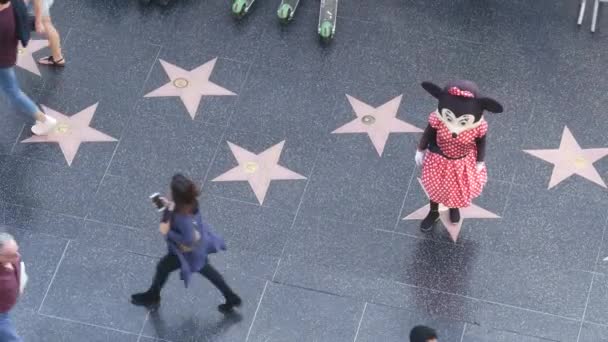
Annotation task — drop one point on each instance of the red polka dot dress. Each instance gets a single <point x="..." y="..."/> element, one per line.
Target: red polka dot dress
<point x="454" y="182"/>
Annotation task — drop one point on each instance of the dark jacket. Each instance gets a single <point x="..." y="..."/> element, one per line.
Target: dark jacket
<point x="23" y="21"/>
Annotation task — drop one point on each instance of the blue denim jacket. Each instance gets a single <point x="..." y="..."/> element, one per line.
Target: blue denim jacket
<point x="192" y="241"/>
<point x="22" y="21"/>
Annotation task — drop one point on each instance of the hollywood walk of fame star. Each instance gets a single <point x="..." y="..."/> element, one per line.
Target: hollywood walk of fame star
<point x="190" y="86"/>
<point x="378" y="122"/>
<point x="26" y="60"/>
<point x="258" y="169"/>
<point x="472" y="211"/>
<point x="570" y="159"/>
<point x="71" y="132"/>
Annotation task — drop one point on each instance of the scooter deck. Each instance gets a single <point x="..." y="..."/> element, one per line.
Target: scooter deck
<point x="328" y="12"/>
<point x="287" y="9"/>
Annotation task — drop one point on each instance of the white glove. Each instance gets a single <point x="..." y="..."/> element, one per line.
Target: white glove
<point x="419" y="157"/>
<point x="480" y="166"/>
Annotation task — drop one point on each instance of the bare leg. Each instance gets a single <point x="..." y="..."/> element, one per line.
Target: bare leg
<point x="54" y="40"/>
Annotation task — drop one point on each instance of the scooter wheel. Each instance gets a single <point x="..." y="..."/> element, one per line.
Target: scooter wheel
<point x="326" y="30"/>
<point x="238" y="7"/>
<point x="285" y="12"/>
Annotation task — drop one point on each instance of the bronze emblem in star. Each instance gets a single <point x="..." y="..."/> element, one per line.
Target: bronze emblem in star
<point x="570" y="159"/>
<point x="25" y="59"/>
<point x="376" y="122"/>
<point x="71" y="132"/>
<point x="190" y="86"/>
<point x="258" y="169"/>
<point x="472" y="212"/>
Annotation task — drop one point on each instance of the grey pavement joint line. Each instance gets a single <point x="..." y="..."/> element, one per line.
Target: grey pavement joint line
<point x="143" y="86"/>
<point x="136" y="229"/>
<point x="217" y="149"/>
<point x="417" y="237"/>
<point x="237" y="102"/>
<point x="464" y="329"/>
<point x="295" y="216"/>
<point x="492" y="252"/>
<point x="580" y="329"/>
<point x="255" y="204"/>
<point x="256" y="311"/>
<point x="276" y="270"/>
<point x="597" y="259"/>
<point x="67" y="244"/>
<point x="126" y="126"/>
<point x="407" y="191"/>
<point x="488" y="301"/>
<point x="85" y="323"/>
<point x="504" y="209"/>
<point x="10" y="153"/>
<point x="360" y="321"/>
<point x="141" y="331"/>
<point x="599" y="252"/>
<point x="42" y="209"/>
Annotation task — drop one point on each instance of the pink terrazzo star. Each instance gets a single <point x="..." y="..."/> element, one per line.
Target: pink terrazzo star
<point x="258" y="169"/>
<point x="472" y="211"/>
<point x="378" y="122"/>
<point x="26" y="60"/>
<point x="71" y="132"/>
<point x="190" y="86"/>
<point x="570" y="159"/>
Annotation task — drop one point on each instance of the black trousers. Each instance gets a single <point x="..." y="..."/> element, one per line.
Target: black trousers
<point x="170" y="263"/>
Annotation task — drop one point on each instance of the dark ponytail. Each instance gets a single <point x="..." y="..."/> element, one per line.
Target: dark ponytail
<point x="184" y="193"/>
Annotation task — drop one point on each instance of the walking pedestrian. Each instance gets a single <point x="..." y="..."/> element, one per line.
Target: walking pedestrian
<point x="41" y="9"/>
<point x="12" y="283"/>
<point x="14" y="27"/>
<point x="189" y="243"/>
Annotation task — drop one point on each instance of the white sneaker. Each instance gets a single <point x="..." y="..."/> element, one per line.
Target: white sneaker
<point x="44" y="128"/>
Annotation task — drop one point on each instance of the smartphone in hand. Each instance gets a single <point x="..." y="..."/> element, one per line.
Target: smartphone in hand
<point x="160" y="205"/>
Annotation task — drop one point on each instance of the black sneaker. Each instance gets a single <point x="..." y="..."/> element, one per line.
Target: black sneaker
<point x="454" y="215"/>
<point x="429" y="221"/>
<point x="231" y="303"/>
<point x="145" y="299"/>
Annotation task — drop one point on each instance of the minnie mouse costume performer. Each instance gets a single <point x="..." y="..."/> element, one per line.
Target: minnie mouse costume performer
<point x="453" y="171"/>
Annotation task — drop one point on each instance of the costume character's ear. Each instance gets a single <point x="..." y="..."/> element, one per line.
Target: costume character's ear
<point x="490" y="105"/>
<point x="432" y="88"/>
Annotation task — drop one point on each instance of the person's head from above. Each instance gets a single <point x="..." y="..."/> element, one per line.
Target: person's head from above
<point x="183" y="193"/>
<point x="4" y="2"/>
<point x="460" y="105"/>
<point x="422" y="333"/>
<point x="9" y="250"/>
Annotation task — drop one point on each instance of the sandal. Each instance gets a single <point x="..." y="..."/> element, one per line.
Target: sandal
<point x="49" y="60"/>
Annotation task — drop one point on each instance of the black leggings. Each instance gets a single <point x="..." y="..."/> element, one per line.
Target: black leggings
<point x="170" y="263"/>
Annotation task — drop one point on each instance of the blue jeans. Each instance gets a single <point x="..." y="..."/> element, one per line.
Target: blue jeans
<point x="10" y="86"/>
<point x="7" y="330"/>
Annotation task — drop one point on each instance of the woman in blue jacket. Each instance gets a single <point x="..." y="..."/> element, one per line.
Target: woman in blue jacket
<point x="189" y="242"/>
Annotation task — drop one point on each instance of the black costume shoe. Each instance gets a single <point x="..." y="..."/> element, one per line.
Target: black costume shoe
<point x="231" y="302"/>
<point x="454" y="215"/>
<point x="145" y="299"/>
<point x="429" y="221"/>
